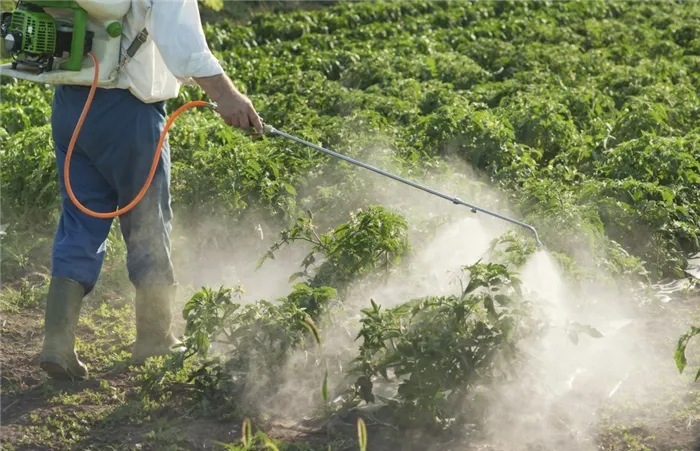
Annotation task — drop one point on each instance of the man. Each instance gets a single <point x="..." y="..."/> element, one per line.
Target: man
<point x="110" y="163"/>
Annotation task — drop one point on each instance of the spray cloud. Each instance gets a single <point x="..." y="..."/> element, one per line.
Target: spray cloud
<point x="556" y="404"/>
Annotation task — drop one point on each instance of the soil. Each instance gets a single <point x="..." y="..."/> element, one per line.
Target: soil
<point x="105" y="412"/>
<point x="25" y="396"/>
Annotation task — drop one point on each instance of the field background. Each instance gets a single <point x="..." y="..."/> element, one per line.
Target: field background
<point x="580" y="118"/>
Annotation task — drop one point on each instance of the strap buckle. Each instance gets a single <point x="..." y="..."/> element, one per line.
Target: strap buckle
<point x="140" y="39"/>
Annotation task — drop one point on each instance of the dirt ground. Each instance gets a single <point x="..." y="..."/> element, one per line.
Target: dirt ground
<point x="106" y="412"/>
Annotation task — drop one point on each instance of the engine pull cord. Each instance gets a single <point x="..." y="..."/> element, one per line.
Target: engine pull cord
<point x="156" y="157"/>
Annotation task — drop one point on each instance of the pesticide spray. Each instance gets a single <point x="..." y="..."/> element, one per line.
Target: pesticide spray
<point x="553" y="410"/>
<point x="557" y="404"/>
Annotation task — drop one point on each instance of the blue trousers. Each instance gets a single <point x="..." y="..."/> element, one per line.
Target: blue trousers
<point x="109" y="165"/>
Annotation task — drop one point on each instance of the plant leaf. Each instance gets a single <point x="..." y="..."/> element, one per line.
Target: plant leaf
<point x="325" y="386"/>
<point x="679" y="354"/>
<point x="269" y="444"/>
<point x="311" y="326"/>
<point x="246" y="432"/>
<point x="591" y="331"/>
<point x="362" y="434"/>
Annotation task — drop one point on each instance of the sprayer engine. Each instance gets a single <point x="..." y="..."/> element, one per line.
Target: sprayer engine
<point x="54" y="41"/>
<point x="34" y="38"/>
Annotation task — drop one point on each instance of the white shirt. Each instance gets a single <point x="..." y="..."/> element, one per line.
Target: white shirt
<point x="175" y="52"/>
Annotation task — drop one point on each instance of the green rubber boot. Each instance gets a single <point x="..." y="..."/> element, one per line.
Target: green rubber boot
<point x="153" y="323"/>
<point x="58" y="356"/>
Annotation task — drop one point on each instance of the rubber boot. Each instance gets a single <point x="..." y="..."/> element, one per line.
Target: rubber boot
<point x="58" y="356"/>
<point x="154" y="316"/>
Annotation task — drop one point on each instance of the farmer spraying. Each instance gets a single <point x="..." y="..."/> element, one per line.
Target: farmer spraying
<point x="111" y="158"/>
<point x="139" y="52"/>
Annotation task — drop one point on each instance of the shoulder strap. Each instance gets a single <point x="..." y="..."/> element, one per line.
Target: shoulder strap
<point x="138" y="42"/>
<point x="133" y="48"/>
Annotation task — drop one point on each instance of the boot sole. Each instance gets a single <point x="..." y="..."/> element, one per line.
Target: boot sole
<point x="57" y="371"/>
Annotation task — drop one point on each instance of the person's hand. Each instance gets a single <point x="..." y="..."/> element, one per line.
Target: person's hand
<point x="235" y="108"/>
<point x="238" y="111"/>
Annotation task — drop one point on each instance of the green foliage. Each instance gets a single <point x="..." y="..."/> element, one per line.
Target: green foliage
<point x="29" y="175"/>
<point x="251" y="442"/>
<point x="205" y="313"/>
<point x="441" y="348"/>
<point x="679" y="355"/>
<point x="253" y="341"/>
<point x="232" y="176"/>
<point x="23" y="253"/>
<point x="265" y="330"/>
<point x="583" y="114"/>
<point x="373" y="239"/>
<point x="511" y="249"/>
<point x="261" y="441"/>
<point x="26" y="293"/>
<point x="257" y="339"/>
<point x="532" y="96"/>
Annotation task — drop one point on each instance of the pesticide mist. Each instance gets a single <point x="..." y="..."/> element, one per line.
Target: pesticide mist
<point x="590" y="352"/>
<point x="572" y="378"/>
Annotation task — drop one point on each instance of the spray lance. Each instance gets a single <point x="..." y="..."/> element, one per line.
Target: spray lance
<point x="270" y="130"/>
<point x="39" y="33"/>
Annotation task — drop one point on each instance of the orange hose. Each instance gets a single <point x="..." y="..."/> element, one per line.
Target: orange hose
<point x="156" y="157"/>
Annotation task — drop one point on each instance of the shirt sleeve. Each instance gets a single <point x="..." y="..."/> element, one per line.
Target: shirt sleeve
<point x="176" y="29"/>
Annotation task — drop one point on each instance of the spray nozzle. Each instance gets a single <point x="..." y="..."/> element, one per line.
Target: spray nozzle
<point x="269" y="130"/>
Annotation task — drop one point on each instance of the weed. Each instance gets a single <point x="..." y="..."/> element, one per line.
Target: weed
<point x="28" y="292"/>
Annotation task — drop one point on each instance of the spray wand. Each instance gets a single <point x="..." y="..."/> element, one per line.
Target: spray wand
<point x="270" y="130"/>
<point x="267" y="129"/>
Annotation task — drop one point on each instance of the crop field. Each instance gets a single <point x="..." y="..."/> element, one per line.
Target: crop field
<point x="325" y="307"/>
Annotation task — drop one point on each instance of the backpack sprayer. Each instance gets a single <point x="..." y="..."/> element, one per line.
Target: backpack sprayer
<point x="49" y="40"/>
<point x="39" y="33"/>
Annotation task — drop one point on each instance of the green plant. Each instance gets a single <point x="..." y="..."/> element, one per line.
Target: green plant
<point x="373" y="240"/>
<point x="679" y="354"/>
<point x="582" y="116"/>
<point x="440" y="348"/>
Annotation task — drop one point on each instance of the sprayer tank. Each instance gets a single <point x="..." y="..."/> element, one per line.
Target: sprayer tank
<point x="105" y="10"/>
